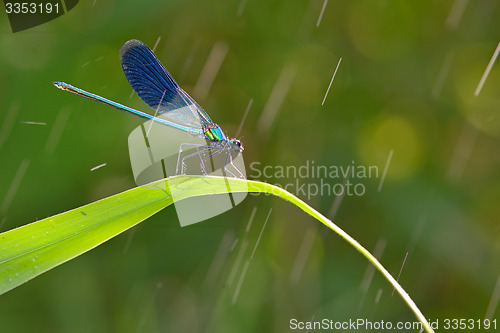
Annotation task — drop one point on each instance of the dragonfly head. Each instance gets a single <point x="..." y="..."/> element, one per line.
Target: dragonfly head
<point x="236" y="144"/>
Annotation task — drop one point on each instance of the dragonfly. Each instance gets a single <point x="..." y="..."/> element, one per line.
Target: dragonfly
<point x="157" y="88"/>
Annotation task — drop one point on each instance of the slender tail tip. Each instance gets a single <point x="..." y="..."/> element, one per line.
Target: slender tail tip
<point x="59" y="84"/>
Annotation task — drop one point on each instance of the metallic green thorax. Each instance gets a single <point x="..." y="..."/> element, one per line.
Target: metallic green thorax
<point x="214" y="133"/>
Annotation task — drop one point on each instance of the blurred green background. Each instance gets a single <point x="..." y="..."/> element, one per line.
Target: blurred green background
<point x="405" y="85"/>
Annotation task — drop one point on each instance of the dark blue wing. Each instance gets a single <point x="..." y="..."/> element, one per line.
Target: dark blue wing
<point x="156" y="87"/>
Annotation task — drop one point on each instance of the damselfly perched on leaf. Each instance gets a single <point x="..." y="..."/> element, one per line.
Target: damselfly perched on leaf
<point x="156" y="87"/>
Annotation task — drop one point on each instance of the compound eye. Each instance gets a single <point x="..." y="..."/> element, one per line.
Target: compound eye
<point x="238" y="144"/>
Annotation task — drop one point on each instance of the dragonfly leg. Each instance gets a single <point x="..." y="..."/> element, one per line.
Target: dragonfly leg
<point x="202" y="160"/>
<point x="210" y="151"/>
<point x="179" y="161"/>
<point x="182" y="162"/>
<point x="229" y="160"/>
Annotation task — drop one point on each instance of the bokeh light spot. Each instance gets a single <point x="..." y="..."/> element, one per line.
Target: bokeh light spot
<point x="481" y="110"/>
<point x="382" y="32"/>
<point x="391" y="133"/>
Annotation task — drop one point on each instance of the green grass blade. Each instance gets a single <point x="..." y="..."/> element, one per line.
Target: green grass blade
<point x="32" y="249"/>
<point x="35" y="248"/>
